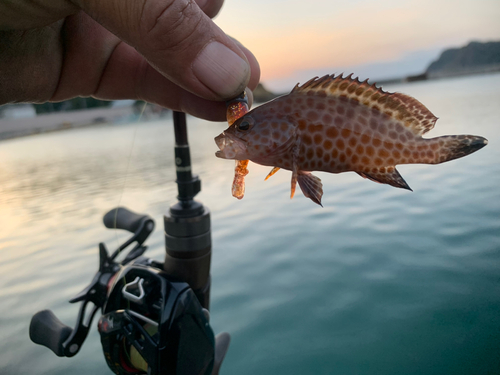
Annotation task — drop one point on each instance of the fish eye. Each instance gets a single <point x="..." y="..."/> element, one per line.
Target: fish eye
<point x="244" y="125"/>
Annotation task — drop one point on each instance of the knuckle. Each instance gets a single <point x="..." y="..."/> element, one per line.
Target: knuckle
<point x="174" y="25"/>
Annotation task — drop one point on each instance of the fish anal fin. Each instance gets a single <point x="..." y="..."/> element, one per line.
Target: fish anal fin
<point x="386" y="175"/>
<point x="311" y="186"/>
<point x="403" y="108"/>
<point x="273" y="171"/>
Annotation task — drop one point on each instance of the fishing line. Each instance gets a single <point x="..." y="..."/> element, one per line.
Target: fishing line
<point x="127" y="171"/>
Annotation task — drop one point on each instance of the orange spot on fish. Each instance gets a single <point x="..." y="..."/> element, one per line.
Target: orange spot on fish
<point x="317" y="139"/>
<point x="370" y="150"/>
<point x="327" y="144"/>
<point x="332" y="132"/>
<point x="383" y="153"/>
<point x="340" y="144"/>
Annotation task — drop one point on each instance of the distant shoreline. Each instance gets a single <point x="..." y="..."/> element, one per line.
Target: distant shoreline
<point x="57" y="121"/>
<point x="19" y="127"/>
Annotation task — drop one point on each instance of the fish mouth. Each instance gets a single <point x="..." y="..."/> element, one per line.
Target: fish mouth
<point x="230" y="147"/>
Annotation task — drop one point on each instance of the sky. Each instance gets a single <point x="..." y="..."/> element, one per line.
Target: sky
<point x="297" y="40"/>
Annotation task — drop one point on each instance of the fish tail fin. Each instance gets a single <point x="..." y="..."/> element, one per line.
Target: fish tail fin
<point x="452" y="147"/>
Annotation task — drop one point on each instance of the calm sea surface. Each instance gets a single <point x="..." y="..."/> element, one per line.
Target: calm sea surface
<point x="379" y="281"/>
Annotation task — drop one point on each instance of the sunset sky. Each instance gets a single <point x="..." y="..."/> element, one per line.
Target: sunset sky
<point x="297" y="40"/>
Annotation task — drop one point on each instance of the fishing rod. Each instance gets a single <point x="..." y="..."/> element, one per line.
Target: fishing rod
<point x="155" y="317"/>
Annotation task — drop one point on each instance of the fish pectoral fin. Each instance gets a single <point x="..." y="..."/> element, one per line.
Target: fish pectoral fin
<point x="273" y="171"/>
<point x="311" y="186"/>
<point x="386" y="175"/>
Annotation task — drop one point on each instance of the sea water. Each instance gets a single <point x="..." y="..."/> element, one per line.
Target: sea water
<point x="379" y="281"/>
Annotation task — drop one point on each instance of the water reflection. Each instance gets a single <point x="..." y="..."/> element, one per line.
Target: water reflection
<point x="380" y="278"/>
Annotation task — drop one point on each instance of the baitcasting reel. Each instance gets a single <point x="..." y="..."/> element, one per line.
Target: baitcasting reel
<point x="151" y="323"/>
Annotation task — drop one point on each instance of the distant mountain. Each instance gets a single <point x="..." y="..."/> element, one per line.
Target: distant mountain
<point x="474" y="58"/>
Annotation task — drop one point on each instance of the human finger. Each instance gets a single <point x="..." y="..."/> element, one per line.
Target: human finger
<point x="180" y="41"/>
<point x="98" y="64"/>
<point x="210" y="7"/>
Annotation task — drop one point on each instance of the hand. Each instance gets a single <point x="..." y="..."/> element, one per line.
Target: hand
<point x="167" y="52"/>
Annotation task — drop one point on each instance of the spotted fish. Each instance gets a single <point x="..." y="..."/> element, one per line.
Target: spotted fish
<point x="338" y="124"/>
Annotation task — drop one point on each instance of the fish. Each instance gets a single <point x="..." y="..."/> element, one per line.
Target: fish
<point x="235" y="108"/>
<point x="339" y="124"/>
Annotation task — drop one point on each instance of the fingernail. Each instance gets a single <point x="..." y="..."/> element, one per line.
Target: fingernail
<point x="222" y="70"/>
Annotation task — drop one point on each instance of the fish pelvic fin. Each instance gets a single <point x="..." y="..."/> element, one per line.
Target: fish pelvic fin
<point x="386" y="175"/>
<point x="273" y="171"/>
<point x="311" y="186"/>
<point x="409" y="111"/>
<point x="452" y="147"/>
<point x="295" y="167"/>
<point x="294" y="183"/>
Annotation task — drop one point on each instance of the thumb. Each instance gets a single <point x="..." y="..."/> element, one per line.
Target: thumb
<point x="178" y="40"/>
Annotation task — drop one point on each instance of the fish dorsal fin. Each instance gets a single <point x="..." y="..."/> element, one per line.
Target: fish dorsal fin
<point x="409" y="111"/>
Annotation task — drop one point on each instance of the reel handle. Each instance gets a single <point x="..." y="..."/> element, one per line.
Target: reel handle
<point x="47" y="330"/>
<point x="122" y="218"/>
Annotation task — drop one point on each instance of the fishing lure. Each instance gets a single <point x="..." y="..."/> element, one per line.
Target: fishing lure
<point x="235" y="109"/>
<point x="338" y="124"/>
